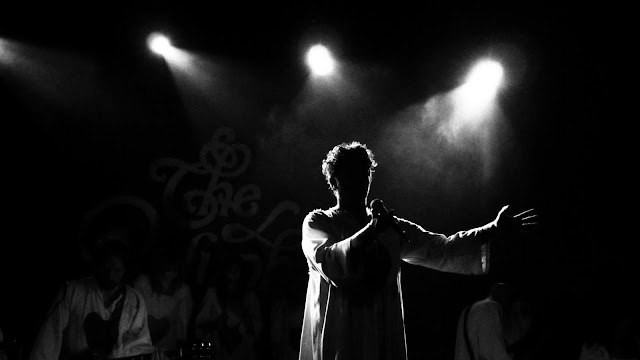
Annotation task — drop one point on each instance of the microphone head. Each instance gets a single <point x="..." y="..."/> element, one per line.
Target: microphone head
<point x="377" y="207"/>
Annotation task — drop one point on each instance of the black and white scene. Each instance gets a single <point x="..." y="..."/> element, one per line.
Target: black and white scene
<point x="317" y="181"/>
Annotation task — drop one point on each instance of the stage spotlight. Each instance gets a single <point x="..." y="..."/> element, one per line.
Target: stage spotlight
<point x="485" y="77"/>
<point x="481" y="86"/>
<point x="474" y="100"/>
<point x="320" y="61"/>
<point x="159" y="44"/>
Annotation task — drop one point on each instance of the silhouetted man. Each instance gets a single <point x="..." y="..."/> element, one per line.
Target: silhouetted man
<point x="353" y="307"/>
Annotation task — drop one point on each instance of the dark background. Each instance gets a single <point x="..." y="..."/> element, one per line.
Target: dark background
<point x="87" y="109"/>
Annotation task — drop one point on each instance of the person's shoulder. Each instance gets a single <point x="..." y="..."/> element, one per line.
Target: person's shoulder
<point x="319" y="215"/>
<point x="485" y="305"/>
<point x="133" y="293"/>
<point x="485" y="302"/>
<point x="78" y="288"/>
<point x="183" y="290"/>
<point x="316" y="212"/>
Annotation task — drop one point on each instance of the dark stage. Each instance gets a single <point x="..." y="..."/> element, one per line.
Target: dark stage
<point x="226" y="144"/>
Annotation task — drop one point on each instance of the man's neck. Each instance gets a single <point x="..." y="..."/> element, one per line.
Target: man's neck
<point x="356" y="209"/>
<point x="110" y="295"/>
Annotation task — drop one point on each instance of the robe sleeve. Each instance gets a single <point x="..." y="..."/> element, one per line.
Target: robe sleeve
<point x="338" y="261"/>
<point x="136" y="338"/>
<point x="209" y="311"/>
<point x="48" y="342"/>
<point x="184" y="313"/>
<point x="491" y="342"/>
<point x="465" y="252"/>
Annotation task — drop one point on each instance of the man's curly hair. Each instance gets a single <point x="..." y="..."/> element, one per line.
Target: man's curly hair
<point x="346" y="156"/>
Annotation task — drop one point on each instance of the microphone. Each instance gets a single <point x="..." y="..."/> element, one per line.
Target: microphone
<point x="378" y="210"/>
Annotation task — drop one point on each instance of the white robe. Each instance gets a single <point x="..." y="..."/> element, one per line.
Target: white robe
<point x="353" y="307"/>
<point x="63" y="331"/>
<point x="485" y="331"/>
<point x="248" y="325"/>
<point x="170" y="313"/>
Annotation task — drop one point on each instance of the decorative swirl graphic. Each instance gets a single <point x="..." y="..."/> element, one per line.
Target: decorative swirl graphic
<point x="197" y="194"/>
<point x="236" y="233"/>
<point x="286" y="240"/>
<point x="222" y="157"/>
<point x="195" y="208"/>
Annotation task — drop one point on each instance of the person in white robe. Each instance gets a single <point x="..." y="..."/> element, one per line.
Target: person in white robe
<point x="490" y="327"/>
<point x="353" y="307"/>
<point x="98" y="317"/>
<point x="168" y="300"/>
<point x="230" y="316"/>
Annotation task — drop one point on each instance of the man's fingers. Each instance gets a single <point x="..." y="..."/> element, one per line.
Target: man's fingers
<point x="528" y="227"/>
<point x="524" y="213"/>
